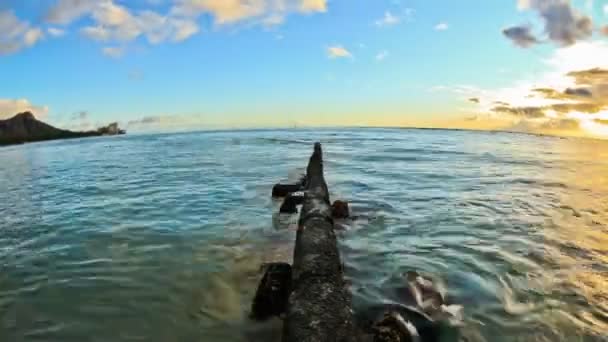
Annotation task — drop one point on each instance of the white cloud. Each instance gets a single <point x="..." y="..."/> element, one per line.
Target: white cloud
<point x="32" y="36"/>
<point x="584" y="55"/>
<point x="66" y="11"/>
<point x="113" y="52"/>
<point x="15" y="34"/>
<point x="117" y="23"/>
<point x="338" y="51"/>
<point x="232" y="11"/>
<point x="55" y="32"/>
<point x="382" y="55"/>
<point x="112" y="21"/>
<point x="388" y="20"/>
<point x="10" y="107"/>
<point x="273" y="20"/>
<point x="108" y="13"/>
<point x="606" y="9"/>
<point x="313" y="6"/>
<point x="183" y="29"/>
<point x="441" y="26"/>
<point x="99" y="33"/>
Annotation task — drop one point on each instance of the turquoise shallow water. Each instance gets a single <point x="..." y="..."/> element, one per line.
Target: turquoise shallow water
<point x="160" y="237"/>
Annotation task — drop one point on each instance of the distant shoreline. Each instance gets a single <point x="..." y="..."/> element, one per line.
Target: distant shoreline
<point x="24" y="128"/>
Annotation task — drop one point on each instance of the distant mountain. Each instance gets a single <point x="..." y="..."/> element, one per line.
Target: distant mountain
<point x="24" y="127"/>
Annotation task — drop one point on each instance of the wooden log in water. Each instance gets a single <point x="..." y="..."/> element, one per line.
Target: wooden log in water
<point x="319" y="307"/>
<point x="291" y="202"/>
<point x="283" y="190"/>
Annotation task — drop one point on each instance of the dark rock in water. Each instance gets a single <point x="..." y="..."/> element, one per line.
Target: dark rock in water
<point x="394" y="328"/>
<point x="340" y="210"/>
<point x="282" y="190"/>
<point x="369" y="318"/>
<point x="24" y="127"/>
<point x="291" y="202"/>
<point x="272" y="293"/>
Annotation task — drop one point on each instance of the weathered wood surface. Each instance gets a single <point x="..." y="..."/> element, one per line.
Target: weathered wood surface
<point x="319" y="307"/>
<point x="273" y="292"/>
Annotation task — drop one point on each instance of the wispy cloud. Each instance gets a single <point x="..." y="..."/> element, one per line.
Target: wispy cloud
<point x="10" y="107"/>
<point x="442" y="26"/>
<point x="382" y="55"/>
<point x="15" y="34"/>
<point x="170" y="122"/>
<point x="113" y="51"/>
<point x="55" y="32"/>
<point x="66" y="11"/>
<point x="338" y="51"/>
<point x="388" y="19"/>
<point x="79" y="121"/>
<point x="147" y="120"/>
<point x="115" y="23"/>
<point x="136" y="75"/>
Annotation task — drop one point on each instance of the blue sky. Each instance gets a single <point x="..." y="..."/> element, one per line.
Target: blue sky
<point x="238" y="63"/>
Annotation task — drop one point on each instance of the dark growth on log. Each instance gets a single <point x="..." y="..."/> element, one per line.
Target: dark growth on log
<point x="291" y="202"/>
<point x="273" y="292"/>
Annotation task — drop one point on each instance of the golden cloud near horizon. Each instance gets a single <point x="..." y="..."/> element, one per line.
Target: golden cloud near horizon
<point x="570" y="99"/>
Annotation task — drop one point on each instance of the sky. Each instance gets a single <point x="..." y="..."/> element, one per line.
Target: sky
<point x="537" y="66"/>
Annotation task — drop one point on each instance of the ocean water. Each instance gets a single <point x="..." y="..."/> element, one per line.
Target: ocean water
<point x="161" y="237"/>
